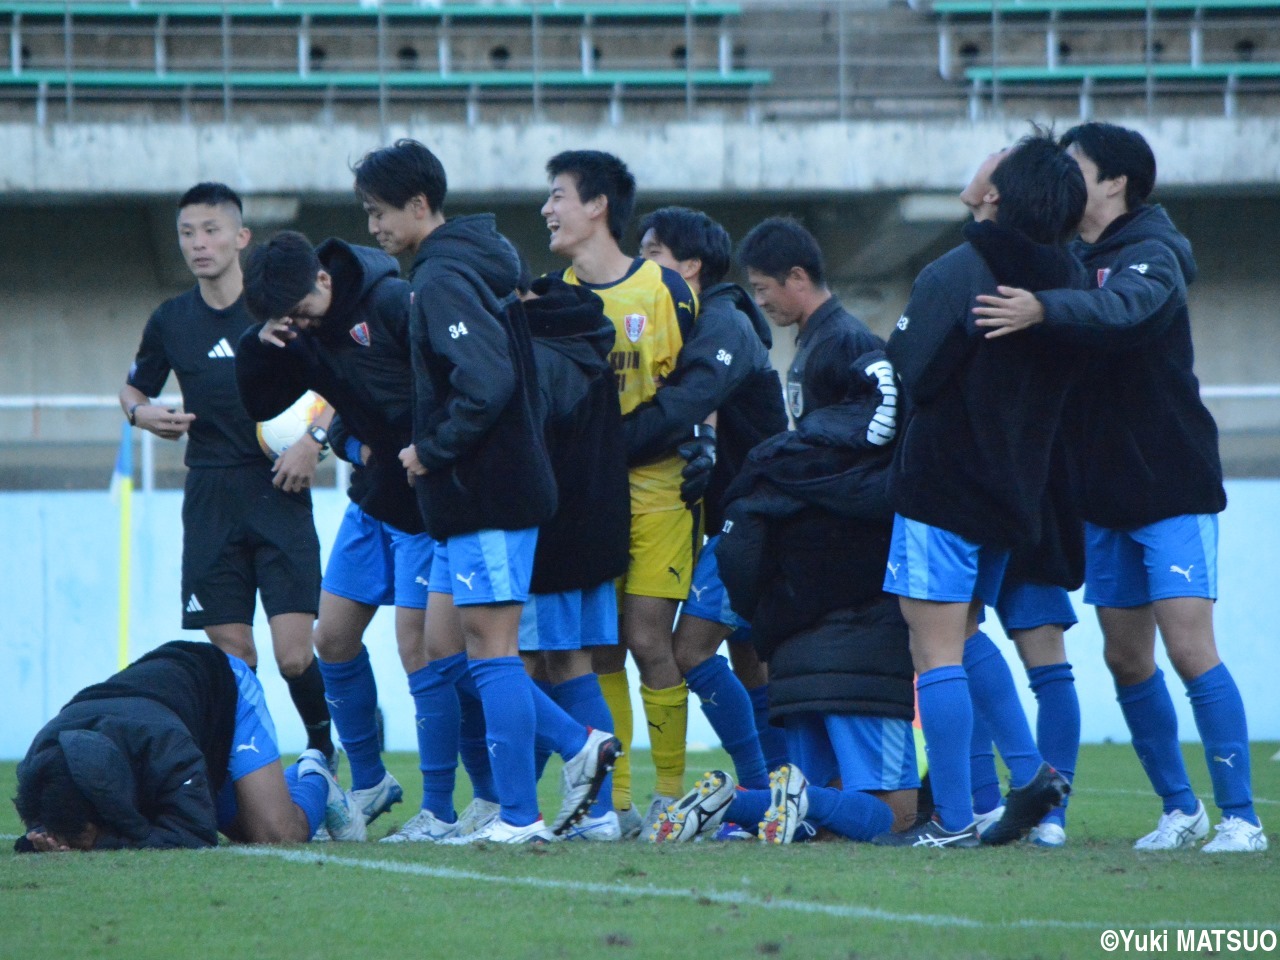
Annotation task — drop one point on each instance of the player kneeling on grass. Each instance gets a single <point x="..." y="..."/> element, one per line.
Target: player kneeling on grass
<point x="173" y="750"/>
<point x="805" y="538"/>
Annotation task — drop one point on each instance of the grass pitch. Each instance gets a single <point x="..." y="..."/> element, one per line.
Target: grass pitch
<point x="706" y="901"/>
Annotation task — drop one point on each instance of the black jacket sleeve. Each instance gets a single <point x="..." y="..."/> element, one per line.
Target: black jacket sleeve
<point x="270" y="378"/>
<point x="459" y="327"/>
<point x="1130" y="308"/>
<point x="930" y="339"/>
<point x="713" y="362"/>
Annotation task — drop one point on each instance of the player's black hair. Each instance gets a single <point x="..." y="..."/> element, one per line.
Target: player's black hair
<point x="1042" y="192"/>
<point x="1117" y="151"/>
<point x="398" y="173"/>
<point x="774" y="246"/>
<point x="599" y="174"/>
<point x="279" y="274"/>
<point x="213" y="194"/>
<point x="689" y="234"/>
<point x="524" y="281"/>
<point x="49" y="797"/>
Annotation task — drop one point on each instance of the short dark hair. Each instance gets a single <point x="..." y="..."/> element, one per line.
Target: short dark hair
<point x="1042" y="192"/>
<point x="774" y="246"/>
<point x="690" y="234"/>
<point x="279" y="274"/>
<point x="1117" y="152"/>
<point x="599" y="174"/>
<point x="211" y="193"/>
<point x="398" y="173"/>
<point x="48" y="796"/>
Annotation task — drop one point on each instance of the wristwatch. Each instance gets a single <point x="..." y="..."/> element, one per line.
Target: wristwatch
<point x="319" y="434"/>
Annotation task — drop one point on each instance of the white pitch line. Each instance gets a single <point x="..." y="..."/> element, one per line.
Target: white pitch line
<point x="851" y="912"/>
<point x="1119" y="792"/>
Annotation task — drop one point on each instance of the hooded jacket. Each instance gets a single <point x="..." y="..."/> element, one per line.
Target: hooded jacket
<point x="974" y="454"/>
<point x="723" y="367"/>
<point x="477" y="425"/>
<point x="357" y="358"/>
<point x="587" y="542"/>
<point x="802" y="555"/>
<point x="149" y="747"/>
<point x="1143" y="445"/>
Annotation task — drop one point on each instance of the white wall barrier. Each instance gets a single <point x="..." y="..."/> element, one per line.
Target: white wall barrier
<point x="59" y="576"/>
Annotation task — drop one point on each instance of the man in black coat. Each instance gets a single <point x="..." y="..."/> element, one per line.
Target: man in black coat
<point x="1144" y="453"/>
<point x="169" y="752"/>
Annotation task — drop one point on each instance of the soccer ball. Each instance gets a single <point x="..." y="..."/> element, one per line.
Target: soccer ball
<point x="276" y="435"/>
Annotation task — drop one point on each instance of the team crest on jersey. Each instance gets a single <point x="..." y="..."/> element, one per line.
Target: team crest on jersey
<point x="633" y="324"/>
<point x="795" y="399"/>
<point x="1103" y="274"/>
<point x="360" y="334"/>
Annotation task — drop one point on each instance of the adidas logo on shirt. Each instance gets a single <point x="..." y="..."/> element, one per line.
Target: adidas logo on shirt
<point x="193" y="605"/>
<point x="222" y="349"/>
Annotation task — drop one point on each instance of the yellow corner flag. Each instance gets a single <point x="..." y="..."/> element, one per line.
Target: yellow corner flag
<point x="122" y="493"/>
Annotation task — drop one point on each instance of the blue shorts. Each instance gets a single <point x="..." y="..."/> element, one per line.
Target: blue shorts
<point x="377" y="564"/>
<point x="929" y="563"/>
<point x="1025" y="606"/>
<point x="708" y="599"/>
<point x="741" y="635"/>
<point x="864" y="753"/>
<point x="1177" y="557"/>
<point x="253" y="744"/>
<point x="570" y="621"/>
<point x="488" y="566"/>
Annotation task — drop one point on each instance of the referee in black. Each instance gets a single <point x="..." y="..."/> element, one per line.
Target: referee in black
<point x="246" y="523"/>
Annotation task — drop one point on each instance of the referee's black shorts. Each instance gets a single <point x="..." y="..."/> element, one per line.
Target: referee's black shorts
<point x="240" y="536"/>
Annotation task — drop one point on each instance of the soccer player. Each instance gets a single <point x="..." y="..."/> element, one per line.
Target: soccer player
<point x="591" y="198"/>
<point x="246" y="525"/>
<point x="802" y="553"/>
<point x="786" y="274"/>
<point x="583" y="549"/>
<point x="169" y="752"/>
<point x="1145" y="451"/>
<point x="335" y="319"/>
<point x="483" y="480"/>
<point x="722" y="374"/>
<point x="969" y="477"/>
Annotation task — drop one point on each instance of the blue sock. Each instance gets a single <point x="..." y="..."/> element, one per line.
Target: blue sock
<point x="729" y="709"/>
<point x="507" y="694"/>
<point x="946" y="714"/>
<point x="352" y="695"/>
<point x="748" y="808"/>
<point x="850" y="813"/>
<point x="309" y="794"/>
<point x="435" y="707"/>
<point x="995" y="698"/>
<point x="1057" y="723"/>
<point x="473" y="745"/>
<point x="556" y="729"/>
<point x="541" y="746"/>
<point x="773" y="741"/>
<point x="1219" y="713"/>
<point x="1153" y="725"/>
<point x="982" y="768"/>
<point x="582" y="699"/>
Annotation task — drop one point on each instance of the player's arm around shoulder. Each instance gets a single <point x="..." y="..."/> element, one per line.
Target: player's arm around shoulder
<point x="271" y="373"/>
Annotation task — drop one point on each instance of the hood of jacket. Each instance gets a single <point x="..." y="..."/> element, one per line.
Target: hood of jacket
<point x="355" y="271"/>
<point x="475" y="243"/>
<point x="742" y="302"/>
<point x="1015" y="260"/>
<point x="1148" y="222"/>
<point x="570" y="319"/>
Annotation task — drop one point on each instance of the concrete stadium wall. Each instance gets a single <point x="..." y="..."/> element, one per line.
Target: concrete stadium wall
<point x="59" y="581"/>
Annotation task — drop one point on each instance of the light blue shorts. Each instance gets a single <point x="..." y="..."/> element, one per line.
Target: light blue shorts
<point x="1177" y="557"/>
<point x="865" y="753"/>
<point x="488" y="566"/>
<point x="377" y="564"/>
<point x="253" y="744"/>
<point x="708" y="599"/>
<point x="1025" y="606"/>
<point x="929" y="563"/>
<point x="571" y="620"/>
